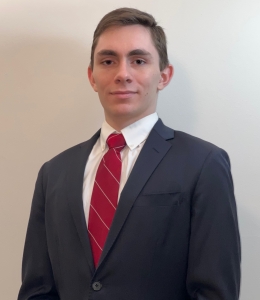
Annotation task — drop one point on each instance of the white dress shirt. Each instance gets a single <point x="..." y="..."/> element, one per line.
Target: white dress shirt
<point x="135" y="136"/>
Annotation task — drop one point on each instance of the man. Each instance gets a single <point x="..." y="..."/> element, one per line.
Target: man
<point x="139" y="211"/>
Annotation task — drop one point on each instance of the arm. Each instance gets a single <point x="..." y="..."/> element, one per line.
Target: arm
<point x="37" y="276"/>
<point x="214" y="255"/>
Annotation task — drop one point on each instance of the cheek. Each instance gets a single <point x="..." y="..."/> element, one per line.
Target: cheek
<point x="101" y="87"/>
<point x="100" y="79"/>
<point x="151" y="80"/>
<point x="151" y="84"/>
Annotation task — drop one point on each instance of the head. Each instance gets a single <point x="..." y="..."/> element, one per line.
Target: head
<point x="129" y="65"/>
<point x="131" y="16"/>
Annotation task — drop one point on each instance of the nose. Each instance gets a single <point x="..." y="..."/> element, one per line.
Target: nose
<point x="123" y="73"/>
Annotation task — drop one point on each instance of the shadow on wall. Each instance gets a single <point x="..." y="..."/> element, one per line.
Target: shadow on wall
<point x="176" y="103"/>
<point x="45" y="94"/>
<point x="250" y="240"/>
<point x="46" y="106"/>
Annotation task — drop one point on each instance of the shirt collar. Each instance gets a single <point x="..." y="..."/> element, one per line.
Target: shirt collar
<point x="134" y="134"/>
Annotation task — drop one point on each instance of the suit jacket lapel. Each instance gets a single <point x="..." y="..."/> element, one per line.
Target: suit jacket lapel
<point x="74" y="192"/>
<point x="154" y="149"/>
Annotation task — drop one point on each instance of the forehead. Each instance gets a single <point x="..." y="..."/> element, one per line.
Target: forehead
<point x="126" y="38"/>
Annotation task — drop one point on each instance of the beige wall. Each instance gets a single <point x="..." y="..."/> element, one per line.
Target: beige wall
<point x="47" y="105"/>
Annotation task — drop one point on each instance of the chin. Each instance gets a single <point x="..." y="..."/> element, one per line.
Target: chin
<point x="123" y="110"/>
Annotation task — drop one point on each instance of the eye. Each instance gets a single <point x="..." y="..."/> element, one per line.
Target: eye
<point x="139" y="61"/>
<point x="107" y="62"/>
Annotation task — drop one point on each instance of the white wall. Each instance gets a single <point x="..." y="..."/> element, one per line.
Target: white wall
<point x="47" y="105"/>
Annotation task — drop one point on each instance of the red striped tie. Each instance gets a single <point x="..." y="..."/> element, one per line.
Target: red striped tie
<point x="105" y="195"/>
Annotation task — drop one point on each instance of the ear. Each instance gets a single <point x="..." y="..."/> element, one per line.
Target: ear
<point x="166" y="76"/>
<point x="91" y="79"/>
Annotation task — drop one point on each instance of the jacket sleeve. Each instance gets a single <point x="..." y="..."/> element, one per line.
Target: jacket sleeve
<point x="37" y="276"/>
<point x="214" y="253"/>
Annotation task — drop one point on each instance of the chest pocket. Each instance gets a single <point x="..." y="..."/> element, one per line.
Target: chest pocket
<point x="163" y="195"/>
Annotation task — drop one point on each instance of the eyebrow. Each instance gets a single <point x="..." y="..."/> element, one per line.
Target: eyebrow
<point x="139" y="52"/>
<point x="134" y="52"/>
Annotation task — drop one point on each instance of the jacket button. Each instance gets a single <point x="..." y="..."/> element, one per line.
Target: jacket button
<point x="96" y="286"/>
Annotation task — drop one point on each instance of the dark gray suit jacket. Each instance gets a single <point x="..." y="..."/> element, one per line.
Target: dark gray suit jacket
<point x="174" y="235"/>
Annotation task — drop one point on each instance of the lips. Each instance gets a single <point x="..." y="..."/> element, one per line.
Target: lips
<point x="122" y="92"/>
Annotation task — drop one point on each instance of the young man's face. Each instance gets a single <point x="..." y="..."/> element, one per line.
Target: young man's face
<point x="126" y="74"/>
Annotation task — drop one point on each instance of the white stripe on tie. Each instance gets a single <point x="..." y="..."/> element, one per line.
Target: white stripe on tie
<point x="111" y="174"/>
<point x="95" y="240"/>
<point x="105" y="195"/>
<point x="99" y="216"/>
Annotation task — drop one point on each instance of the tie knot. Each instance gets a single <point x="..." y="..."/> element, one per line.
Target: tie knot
<point x="116" y="141"/>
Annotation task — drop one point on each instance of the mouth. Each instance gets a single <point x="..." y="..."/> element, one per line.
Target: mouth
<point x="123" y="94"/>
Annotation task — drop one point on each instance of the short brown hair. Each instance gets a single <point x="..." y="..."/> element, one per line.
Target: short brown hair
<point x="131" y="16"/>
